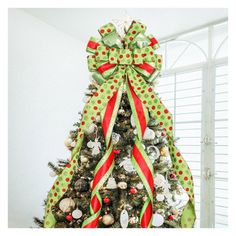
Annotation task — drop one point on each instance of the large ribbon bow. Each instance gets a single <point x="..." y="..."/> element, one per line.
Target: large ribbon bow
<point x="117" y="64"/>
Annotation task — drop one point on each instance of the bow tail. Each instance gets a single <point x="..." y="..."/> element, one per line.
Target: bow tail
<point x="93" y="108"/>
<point x="140" y="160"/>
<point x="106" y="164"/>
<point x="156" y="108"/>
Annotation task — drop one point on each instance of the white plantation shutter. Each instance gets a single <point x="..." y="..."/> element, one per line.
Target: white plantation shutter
<point x="193" y="87"/>
<point x="221" y="147"/>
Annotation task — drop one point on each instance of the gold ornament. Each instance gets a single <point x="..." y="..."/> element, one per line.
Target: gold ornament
<point x="164" y="151"/>
<point x="108" y="219"/>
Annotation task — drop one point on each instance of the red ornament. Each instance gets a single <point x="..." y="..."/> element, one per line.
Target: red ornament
<point x="69" y="218"/>
<point x="106" y="200"/>
<point x="172" y="176"/>
<point x="171" y="217"/>
<point x="133" y="190"/>
<point x="117" y="151"/>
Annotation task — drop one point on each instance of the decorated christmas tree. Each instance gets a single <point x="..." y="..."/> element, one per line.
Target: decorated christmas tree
<point x="125" y="170"/>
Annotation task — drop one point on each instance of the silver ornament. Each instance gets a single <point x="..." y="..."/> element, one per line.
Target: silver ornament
<point x="149" y="134"/>
<point x="153" y="153"/>
<point x="139" y="186"/>
<point x="160" y="197"/>
<point x="115" y="138"/>
<point x="159" y="180"/>
<point x="111" y="183"/>
<point x="158" y="220"/>
<point x="127" y="165"/>
<point x="124" y="219"/>
<point x="68" y="142"/>
<point x="83" y="159"/>
<point x="95" y="146"/>
<point x="76" y="214"/>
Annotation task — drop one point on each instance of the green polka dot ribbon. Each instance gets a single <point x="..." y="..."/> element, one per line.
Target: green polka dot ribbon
<point x="129" y="63"/>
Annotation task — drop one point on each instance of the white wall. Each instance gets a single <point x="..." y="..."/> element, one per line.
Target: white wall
<point x="47" y="78"/>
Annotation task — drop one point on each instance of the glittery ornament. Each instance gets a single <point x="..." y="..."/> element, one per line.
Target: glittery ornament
<point x="164" y="151"/>
<point x="159" y="180"/>
<point x="139" y="186"/>
<point x="91" y="129"/>
<point x="160" y="197"/>
<point x="66" y="204"/>
<point x="108" y="219"/>
<point x="95" y="146"/>
<point x="76" y="214"/>
<point x="127" y="165"/>
<point x="81" y="185"/>
<point x="124" y="219"/>
<point x="149" y="134"/>
<point x="158" y="220"/>
<point x="115" y="138"/>
<point x="111" y="183"/>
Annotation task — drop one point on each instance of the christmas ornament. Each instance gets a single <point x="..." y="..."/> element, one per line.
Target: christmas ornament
<point x="158" y="220"/>
<point x="159" y="180"/>
<point x="127" y="165"/>
<point x="122" y="185"/>
<point x="164" y="151"/>
<point x="108" y="219"/>
<point x="121" y="111"/>
<point x="76" y="214"/>
<point x="133" y="220"/>
<point x="160" y="197"/>
<point x="83" y="159"/>
<point x="106" y="200"/>
<point x="69" y="218"/>
<point x="111" y="183"/>
<point x="115" y="138"/>
<point x="153" y="153"/>
<point x="117" y="151"/>
<point x="66" y="204"/>
<point x="132" y="121"/>
<point x="91" y="129"/>
<point x="73" y="144"/>
<point x="149" y="134"/>
<point x="81" y="185"/>
<point x="124" y="219"/>
<point x="174" y="211"/>
<point x="68" y="142"/>
<point x="95" y="146"/>
<point x="171" y="217"/>
<point x="133" y="190"/>
<point x="139" y="186"/>
<point x="52" y="174"/>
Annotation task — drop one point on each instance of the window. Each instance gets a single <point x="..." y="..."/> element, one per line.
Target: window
<point x="194" y="88"/>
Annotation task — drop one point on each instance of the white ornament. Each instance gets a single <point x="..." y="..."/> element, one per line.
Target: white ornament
<point x="149" y="134"/>
<point x="135" y="131"/>
<point x="122" y="185"/>
<point x="108" y="219"/>
<point x="83" y="159"/>
<point x="158" y="220"/>
<point x="115" y="138"/>
<point x="91" y="129"/>
<point x="66" y="204"/>
<point x="111" y="183"/>
<point x="124" y="219"/>
<point x="73" y="144"/>
<point x="127" y="165"/>
<point x="139" y="186"/>
<point x="95" y="146"/>
<point x="158" y="134"/>
<point x="132" y="121"/>
<point x="133" y="220"/>
<point x="68" y="142"/>
<point x="160" y="197"/>
<point x="153" y="153"/>
<point x="159" y="180"/>
<point x="76" y="214"/>
<point x="52" y="174"/>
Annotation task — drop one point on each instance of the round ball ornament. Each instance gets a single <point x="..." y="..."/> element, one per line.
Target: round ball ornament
<point x="160" y="197"/>
<point x="158" y="220"/>
<point x="69" y="218"/>
<point x="76" y="214"/>
<point x="149" y="134"/>
<point x="122" y="185"/>
<point x="108" y="219"/>
<point x="164" y="151"/>
<point x="66" y="204"/>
